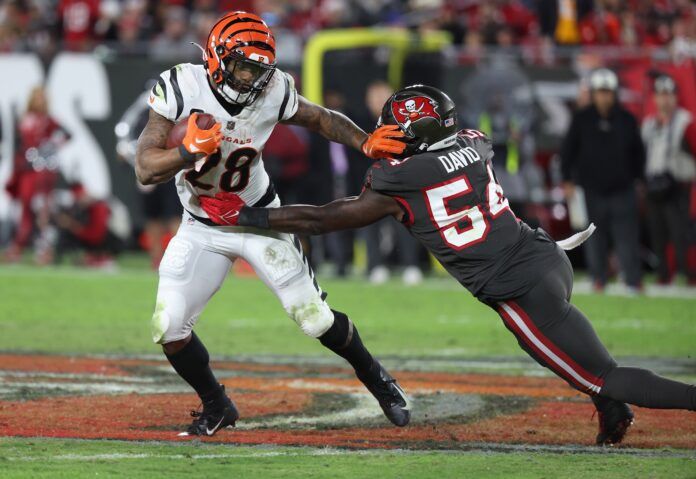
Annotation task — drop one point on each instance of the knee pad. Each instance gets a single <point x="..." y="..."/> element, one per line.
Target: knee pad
<point x="314" y="318"/>
<point x="169" y="322"/>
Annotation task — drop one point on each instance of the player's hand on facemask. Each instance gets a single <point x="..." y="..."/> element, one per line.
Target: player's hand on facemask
<point x="222" y="209"/>
<point x="198" y="140"/>
<point x="384" y="142"/>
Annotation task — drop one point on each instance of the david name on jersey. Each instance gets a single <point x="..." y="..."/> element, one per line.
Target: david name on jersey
<point x="456" y="160"/>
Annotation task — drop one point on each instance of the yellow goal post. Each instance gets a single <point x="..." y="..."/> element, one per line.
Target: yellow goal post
<point x="400" y="41"/>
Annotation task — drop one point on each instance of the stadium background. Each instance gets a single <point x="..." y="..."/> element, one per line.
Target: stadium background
<point x="73" y="342"/>
<point x="97" y="58"/>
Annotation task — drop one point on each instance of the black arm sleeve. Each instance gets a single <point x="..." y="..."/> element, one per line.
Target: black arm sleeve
<point x="255" y="217"/>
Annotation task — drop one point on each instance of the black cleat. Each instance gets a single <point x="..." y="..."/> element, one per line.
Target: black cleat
<point x="389" y="394"/>
<point x="212" y="418"/>
<point x="614" y="420"/>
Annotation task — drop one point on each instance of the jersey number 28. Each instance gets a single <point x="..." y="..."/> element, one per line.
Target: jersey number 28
<point x="236" y="175"/>
<point x="467" y="226"/>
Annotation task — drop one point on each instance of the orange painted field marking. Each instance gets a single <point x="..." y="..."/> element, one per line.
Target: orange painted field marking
<point x="530" y="410"/>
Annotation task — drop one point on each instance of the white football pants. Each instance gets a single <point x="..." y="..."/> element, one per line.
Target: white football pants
<point x="198" y="258"/>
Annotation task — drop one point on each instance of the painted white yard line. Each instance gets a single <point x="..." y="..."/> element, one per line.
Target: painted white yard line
<point x="120" y="456"/>
<point x="263" y="452"/>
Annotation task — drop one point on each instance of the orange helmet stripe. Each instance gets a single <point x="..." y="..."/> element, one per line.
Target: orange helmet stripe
<point x="242" y="32"/>
<point x="247" y="30"/>
<point x="252" y="38"/>
<point x="244" y="24"/>
<point x="237" y="18"/>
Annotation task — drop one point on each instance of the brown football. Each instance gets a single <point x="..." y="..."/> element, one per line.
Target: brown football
<point x="176" y="135"/>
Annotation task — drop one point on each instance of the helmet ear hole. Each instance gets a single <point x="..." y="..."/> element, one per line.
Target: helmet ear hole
<point x="220" y="50"/>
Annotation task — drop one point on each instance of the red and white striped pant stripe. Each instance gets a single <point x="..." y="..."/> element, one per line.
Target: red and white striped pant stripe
<point x="525" y="329"/>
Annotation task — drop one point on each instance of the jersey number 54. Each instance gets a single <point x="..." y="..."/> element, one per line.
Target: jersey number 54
<point x="464" y="227"/>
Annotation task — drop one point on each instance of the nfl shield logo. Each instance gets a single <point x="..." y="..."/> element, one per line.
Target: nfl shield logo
<point x="230" y="125"/>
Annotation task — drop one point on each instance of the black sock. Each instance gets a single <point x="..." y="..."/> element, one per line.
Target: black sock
<point x="645" y="388"/>
<point x="343" y="339"/>
<point x="192" y="364"/>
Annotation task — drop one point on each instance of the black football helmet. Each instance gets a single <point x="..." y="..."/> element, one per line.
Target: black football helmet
<point x="426" y="115"/>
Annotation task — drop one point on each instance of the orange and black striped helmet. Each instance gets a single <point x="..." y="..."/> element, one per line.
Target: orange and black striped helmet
<point x="240" y="56"/>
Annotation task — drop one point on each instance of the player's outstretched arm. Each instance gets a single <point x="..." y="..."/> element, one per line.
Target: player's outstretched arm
<point x="384" y="142"/>
<point x="228" y="209"/>
<point x="342" y="214"/>
<point x="332" y="125"/>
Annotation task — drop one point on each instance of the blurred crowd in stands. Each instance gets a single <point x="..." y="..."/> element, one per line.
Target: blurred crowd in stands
<point x="635" y="180"/>
<point x="169" y="25"/>
<point x="645" y="204"/>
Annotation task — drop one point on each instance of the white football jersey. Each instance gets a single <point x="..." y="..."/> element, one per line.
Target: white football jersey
<point x="237" y="167"/>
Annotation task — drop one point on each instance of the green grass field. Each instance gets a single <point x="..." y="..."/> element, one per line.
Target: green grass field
<point x="78" y="311"/>
<point x="69" y="459"/>
<point x="71" y="311"/>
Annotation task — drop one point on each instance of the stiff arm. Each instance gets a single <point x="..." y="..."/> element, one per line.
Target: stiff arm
<point x="332" y="125"/>
<point x="342" y="214"/>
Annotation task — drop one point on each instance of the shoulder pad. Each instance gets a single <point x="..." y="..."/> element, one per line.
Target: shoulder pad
<point x="290" y="99"/>
<point x="175" y="88"/>
<point x="477" y="140"/>
<point x="158" y="99"/>
<point x="189" y="79"/>
<point x="281" y="95"/>
<point x="473" y="136"/>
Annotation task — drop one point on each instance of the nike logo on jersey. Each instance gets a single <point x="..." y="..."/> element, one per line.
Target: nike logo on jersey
<point x="199" y="140"/>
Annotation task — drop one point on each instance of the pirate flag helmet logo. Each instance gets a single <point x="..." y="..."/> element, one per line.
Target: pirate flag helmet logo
<point x="413" y="109"/>
<point x="425" y="114"/>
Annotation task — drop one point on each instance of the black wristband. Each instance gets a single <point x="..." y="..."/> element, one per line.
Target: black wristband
<point x="255" y="217"/>
<point x="186" y="155"/>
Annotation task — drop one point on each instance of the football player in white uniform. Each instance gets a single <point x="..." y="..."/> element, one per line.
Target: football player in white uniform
<point x="247" y="95"/>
